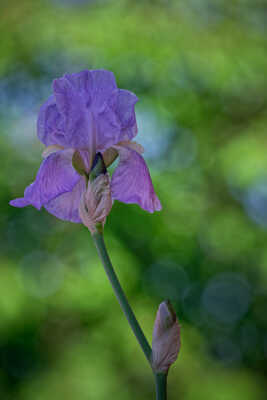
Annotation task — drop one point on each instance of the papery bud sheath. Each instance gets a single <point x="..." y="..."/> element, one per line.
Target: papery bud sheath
<point x="166" y="338"/>
<point x="96" y="203"/>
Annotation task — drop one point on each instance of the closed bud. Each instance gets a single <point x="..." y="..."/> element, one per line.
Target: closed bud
<point x="96" y="203"/>
<point x="166" y="338"/>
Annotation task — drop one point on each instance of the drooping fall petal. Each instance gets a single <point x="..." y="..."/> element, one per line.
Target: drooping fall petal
<point x="55" y="176"/>
<point x="131" y="181"/>
<point x="66" y="206"/>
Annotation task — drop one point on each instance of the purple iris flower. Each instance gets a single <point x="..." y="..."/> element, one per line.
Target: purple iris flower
<point x="87" y="114"/>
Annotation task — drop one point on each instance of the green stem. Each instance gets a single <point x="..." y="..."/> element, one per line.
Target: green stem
<point x="102" y="252"/>
<point x="161" y="386"/>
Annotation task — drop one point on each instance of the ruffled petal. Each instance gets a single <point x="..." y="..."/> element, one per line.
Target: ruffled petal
<point x="87" y="110"/>
<point x="50" y="124"/>
<point x="117" y="121"/>
<point x="80" y="81"/>
<point x="55" y="176"/>
<point x="123" y="105"/>
<point x="131" y="181"/>
<point x="66" y="206"/>
<point x="101" y="85"/>
<point x="76" y="125"/>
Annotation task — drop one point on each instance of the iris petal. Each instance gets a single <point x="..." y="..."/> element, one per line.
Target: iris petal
<point x="49" y="124"/>
<point x="55" y="176"/>
<point x="116" y="122"/>
<point x="66" y="206"/>
<point x="87" y="108"/>
<point x="131" y="181"/>
<point x="87" y="114"/>
<point x="76" y="124"/>
<point x="102" y="83"/>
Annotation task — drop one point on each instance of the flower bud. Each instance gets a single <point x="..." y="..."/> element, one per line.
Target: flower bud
<point x="166" y="338"/>
<point x="96" y="203"/>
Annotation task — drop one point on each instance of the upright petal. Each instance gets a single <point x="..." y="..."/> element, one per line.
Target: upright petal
<point x="76" y="125"/>
<point x="131" y="181"/>
<point x="116" y="121"/>
<point x="101" y="85"/>
<point x="123" y="104"/>
<point x="55" y="176"/>
<point x="66" y="206"/>
<point x="50" y="124"/>
<point x="87" y="110"/>
<point x="96" y="86"/>
<point x="80" y="81"/>
<point x="63" y="118"/>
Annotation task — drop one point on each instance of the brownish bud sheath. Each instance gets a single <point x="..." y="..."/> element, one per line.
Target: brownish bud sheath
<point x="110" y="156"/>
<point x="77" y="163"/>
<point x="166" y="338"/>
<point x="96" y="203"/>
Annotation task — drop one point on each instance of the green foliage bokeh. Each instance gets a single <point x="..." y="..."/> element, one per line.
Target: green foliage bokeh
<point x="199" y="70"/>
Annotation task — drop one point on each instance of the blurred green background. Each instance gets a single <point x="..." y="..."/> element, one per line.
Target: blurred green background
<point x="199" y="69"/>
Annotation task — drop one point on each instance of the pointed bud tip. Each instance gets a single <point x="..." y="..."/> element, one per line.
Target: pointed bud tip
<point x="166" y="338"/>
<point x="167" y="314"/>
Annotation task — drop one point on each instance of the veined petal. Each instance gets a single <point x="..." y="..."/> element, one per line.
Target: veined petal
<point x="71" y="104"/>
<point x="50" y="124"/>
<point x="100" y="86"/>
<point x="63" y="118"/>
<point x="55" y="176"/>
<point x="87" y="110"/>
<point x="96" y="86"/>
<point x="123" y="104"/>
<point x="66" y="206"/>
<point x="116" y="121"/>
<point x="80" y="81"/>
<point x="131" y="181"/>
